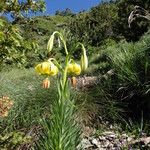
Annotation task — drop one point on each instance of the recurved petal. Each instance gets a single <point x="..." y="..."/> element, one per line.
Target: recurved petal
<point x="53" y="70"/>
<point x="77" y="69"/>
<point x="38" y="68"/>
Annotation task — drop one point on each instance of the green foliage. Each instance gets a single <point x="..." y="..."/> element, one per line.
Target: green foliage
<point x="16" y="8"/>
<point x="120" y="96"/>
<point x="120" y="25"/>
<point x="32" y="104"/>
<point x="38" y="29"/>
<point x="14" y="48"/>
<point x="109" y="20"/>
<point x="13" y="140"/>
<point x="66" y="12"/>
<point x="94" y="27"/>
<point x="60" y="131"/>
<point x="132" y="68"/>
<point x="131" y="61"/>
<point x="126" y="93"/>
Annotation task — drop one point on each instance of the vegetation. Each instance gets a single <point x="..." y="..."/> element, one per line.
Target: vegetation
<point x="30" y="116"/>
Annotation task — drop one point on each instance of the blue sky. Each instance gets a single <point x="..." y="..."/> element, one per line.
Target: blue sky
<point x="74" y="5"/>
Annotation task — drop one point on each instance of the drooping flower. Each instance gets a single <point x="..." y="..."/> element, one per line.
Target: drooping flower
<point x="46" y="68"/>
<point x="74" y="69"/>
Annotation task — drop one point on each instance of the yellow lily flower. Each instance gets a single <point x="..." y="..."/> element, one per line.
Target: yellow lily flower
<point x="38" y="69"/>
<point x="46" y="68"/>
<point x="74" y="69"/>
<point x="77" y="69"/>
<point x="53" y="70"/>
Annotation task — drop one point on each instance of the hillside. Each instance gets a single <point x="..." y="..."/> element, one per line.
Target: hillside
<point x="40" y="28"/>
<point x="86" y="86"/>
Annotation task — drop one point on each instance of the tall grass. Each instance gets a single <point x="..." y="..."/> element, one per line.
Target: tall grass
<point x="131" y="62"/>
<point x="31" y="102"/>
<point x="126" y="93"/>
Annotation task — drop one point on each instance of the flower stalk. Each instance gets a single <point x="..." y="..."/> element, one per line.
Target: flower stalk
<point x="63" y="132"/>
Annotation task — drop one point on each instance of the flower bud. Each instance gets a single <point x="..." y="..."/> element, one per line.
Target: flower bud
<point x="46" y="83"/>
<point x="73" y="81"/>
<point x="84" y="60"/>
<point x="50" y="43"/>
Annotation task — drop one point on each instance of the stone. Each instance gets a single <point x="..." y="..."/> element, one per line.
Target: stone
<point x="95" y="142"/>
<point x="85" y="143"/>
<point x="102" y="138"/>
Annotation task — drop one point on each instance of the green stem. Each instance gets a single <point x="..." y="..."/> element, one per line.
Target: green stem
<point x="83" y="48"/>
<point x="65" y="72"/>
<point x="64" y="42"/>
<point x="56" y="63"/>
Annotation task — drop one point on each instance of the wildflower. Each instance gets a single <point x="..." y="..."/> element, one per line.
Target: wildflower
<point x="74" y="69"/>
<point x="46" y="83"/>
<point x="46" y="68"/>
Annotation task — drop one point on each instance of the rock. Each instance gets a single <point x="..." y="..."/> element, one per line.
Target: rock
<point x="110" y="140"/>
<point x="85" y="143"/>
<point x="146" y="140"/>
<point x="129" y="139"/>
<point x="106" y="144"/>
<point x="108" y="133"/>
<point x="124" y="135"/>
<point x="95" y="142"/>
<point x="102" y="138"/>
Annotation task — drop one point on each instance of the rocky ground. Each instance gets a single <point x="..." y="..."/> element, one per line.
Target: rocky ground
<point x="110" y="140"/>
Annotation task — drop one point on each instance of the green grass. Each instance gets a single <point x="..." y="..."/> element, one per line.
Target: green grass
<point x="31" y="101"/>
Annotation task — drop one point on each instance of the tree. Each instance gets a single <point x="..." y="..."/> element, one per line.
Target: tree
<point x="13" y="47"/>
<point x="95" y="26"/>
<point x="18" y="8"/>
<point x="66" y="12"/>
